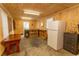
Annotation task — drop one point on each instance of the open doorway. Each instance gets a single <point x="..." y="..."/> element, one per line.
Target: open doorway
<point x="26" y="25"/>
<point x="26" y="28"/>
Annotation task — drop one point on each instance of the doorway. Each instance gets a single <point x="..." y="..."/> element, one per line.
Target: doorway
<point x="26" y="29"/>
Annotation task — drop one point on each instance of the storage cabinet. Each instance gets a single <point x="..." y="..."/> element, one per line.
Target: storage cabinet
<point x="71" y="42"/>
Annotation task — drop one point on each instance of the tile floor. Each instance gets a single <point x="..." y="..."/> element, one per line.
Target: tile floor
<point x="27" y="49"/>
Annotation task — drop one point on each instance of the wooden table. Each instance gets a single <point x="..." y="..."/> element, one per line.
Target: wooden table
<point x="11" y="43"/>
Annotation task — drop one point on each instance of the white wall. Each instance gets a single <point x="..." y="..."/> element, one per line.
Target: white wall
<point x="4" y="23"/>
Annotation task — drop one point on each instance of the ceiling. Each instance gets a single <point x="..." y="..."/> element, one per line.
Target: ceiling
<point x="46" y="9"/>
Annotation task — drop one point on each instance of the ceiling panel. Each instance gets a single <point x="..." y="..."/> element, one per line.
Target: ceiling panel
<point x="16" y="10"/>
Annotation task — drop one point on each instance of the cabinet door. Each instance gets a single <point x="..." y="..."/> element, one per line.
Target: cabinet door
<point x="71" y="43"/>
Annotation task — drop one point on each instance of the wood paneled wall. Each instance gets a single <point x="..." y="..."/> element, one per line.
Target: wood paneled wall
<point x="1" y="37"/>
<point x="18" y="26"/>
<point x="33" y="24"/>
<point x="70" y="16"/>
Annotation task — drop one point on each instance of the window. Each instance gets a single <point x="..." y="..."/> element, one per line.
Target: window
<point x="26" y="25"/>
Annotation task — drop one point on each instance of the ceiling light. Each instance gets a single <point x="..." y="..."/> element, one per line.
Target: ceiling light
<point x="32" y="12"/>
<point x="27" y="18"/>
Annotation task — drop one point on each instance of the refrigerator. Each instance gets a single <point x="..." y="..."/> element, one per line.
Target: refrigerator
<point x="55" y="30"/>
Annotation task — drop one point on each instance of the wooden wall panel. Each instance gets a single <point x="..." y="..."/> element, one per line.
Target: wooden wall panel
<point x="1" y="37"/>
<point x="18" y="26"/>
<point x="33" y="24"/>
<point x="70" y="16"/>
<point x="56" y="16"/>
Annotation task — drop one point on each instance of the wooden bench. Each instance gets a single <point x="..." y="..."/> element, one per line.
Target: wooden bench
<point x="11" y="44"/>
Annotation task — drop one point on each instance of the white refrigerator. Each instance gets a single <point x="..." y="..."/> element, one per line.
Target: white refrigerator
<point x="55" y="30"/>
